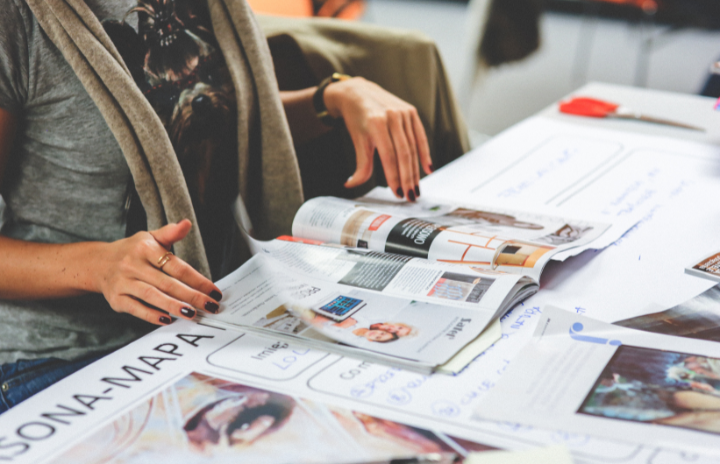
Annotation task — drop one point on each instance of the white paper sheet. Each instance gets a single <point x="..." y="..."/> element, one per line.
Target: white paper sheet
<point x="592" y="377"/>
<point x="670" y="186"/>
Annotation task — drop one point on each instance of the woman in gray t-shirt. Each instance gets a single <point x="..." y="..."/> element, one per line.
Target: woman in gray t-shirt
<point x="73" y="283"/>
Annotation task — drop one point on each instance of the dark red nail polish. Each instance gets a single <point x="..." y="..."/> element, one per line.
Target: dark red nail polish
<point x="165" y="320"/>
<point x="399" y="192"/>
<point x="215" y="295"/>
<point x="212" y="307"/>
<point x="411" y="195"/>
<point x="417" y="191"/>
<point x="432" y="168"/>
<point x="187" y="312"/>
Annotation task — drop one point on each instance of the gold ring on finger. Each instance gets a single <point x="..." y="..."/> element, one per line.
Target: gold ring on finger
<point x="164" y="259"/>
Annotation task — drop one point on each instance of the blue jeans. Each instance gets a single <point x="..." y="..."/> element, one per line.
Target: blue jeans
<point x="22" y="379"/>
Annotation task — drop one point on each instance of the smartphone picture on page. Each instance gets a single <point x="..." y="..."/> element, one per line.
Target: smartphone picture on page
<point x="341" y="307"/>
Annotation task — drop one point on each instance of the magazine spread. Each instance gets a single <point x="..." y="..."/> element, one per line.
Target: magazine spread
<point x="390" y="308"/>
<point x="407" y="284"/>
<point x="497" y="239"/>
<point x="592" y="377"/>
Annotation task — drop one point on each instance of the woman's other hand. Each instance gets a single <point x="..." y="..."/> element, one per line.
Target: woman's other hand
<point x="378" y="120"/>
<point x="133" y="278"/>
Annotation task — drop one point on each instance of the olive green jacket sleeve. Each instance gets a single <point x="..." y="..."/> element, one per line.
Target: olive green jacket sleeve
<point x="406" y="63"/>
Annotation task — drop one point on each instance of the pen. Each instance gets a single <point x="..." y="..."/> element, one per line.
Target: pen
<point x="431" y="458"/>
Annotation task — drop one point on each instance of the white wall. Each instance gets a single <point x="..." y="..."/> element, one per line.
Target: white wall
<point x="679" y="61"/>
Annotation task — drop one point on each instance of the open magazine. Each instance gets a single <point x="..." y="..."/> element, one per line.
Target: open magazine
<point x="480" y="237"/>
<point x="412" y="285"/>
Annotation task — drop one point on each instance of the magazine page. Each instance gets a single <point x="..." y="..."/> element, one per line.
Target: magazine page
<point x="549" y="217"/>
<point x="707" y="268"/>
<point x="699" y="317"/>
<point x="500" y="240"/>
<point x="409" y="309"/>
<point x="397" y="275"/>
<point x="592" y="377"/>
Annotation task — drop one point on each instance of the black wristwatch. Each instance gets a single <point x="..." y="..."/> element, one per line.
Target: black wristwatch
<point x="319" y="100"/>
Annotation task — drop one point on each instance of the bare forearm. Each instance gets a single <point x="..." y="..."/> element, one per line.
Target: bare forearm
<point x="300" y="112"/>
<point x="38" y="270"/>
<point x="137" y="275"/>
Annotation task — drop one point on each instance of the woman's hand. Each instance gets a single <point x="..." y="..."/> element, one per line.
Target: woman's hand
<point x="378" y="120"/>
<point x="131" y="280"/>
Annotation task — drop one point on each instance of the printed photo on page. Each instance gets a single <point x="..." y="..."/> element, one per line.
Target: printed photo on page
<point x="393" y="326"/>
<point x="586" y="376"/>
<point x="707" y="268"/>
<point x="202" y="419"/>
<point x="659" y="387"/>
<point x="699" y="318"/>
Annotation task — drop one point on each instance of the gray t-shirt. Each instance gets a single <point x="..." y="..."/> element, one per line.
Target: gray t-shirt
<point x="67" y="182"/>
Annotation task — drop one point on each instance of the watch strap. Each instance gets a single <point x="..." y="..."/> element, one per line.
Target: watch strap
<point x="321" y="110"/>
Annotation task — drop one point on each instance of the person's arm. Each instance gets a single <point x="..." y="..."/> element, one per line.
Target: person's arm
<point x="304" y="125"/>
<point x="8" y="127"/>
<point x="125" y="271"/>
<point x="376" y="120"/>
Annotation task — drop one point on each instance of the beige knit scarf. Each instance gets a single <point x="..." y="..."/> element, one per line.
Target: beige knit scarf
<point x="270" y="182"/>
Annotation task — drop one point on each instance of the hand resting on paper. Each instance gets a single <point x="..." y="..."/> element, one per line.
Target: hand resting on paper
<point x="125" y="272"/>
<point x="134" y="279"/>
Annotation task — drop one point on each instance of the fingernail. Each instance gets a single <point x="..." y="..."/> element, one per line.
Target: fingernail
<point x="400" y="192"/>
<point x="417" y="191"/>
<point x="212" y="307"/>
<point x="215" y="295"/>
<point x="411" y="195"/>
<point x="165" y="320"/>
<point x="432" y="169"/>
<point x="187" y="312"/>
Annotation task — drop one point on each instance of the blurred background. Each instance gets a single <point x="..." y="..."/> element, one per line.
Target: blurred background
<point x="508" y="59"/>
